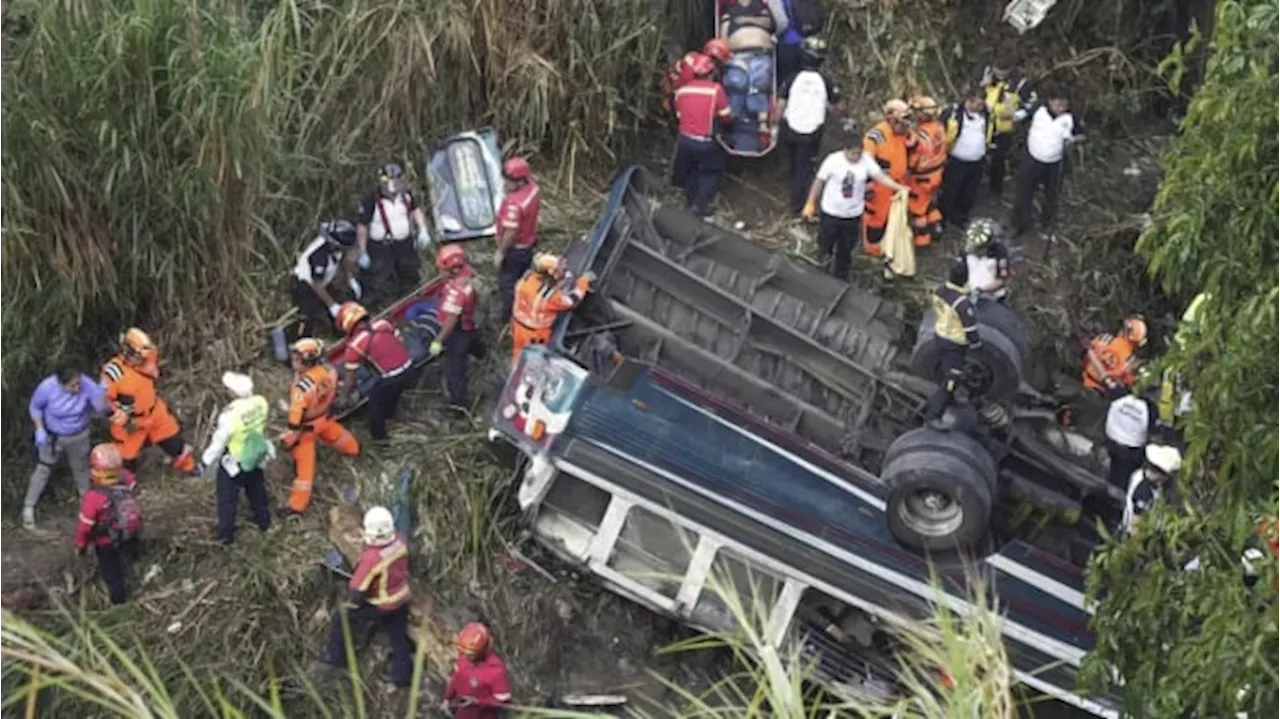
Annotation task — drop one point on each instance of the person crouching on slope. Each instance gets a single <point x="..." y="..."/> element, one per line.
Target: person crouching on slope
<point x="110" y="518"/>
<point x="239" y="447"/>
<point x="140" y="417"/>
<point x="315" y="385"/>
<point x="374" y="343"/>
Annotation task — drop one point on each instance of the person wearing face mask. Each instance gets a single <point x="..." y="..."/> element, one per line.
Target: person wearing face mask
<point x="886" y="144"/>
<point x="384" y="235"/>
<point x="1052" y="132"/>
<point x="968" y="130"/>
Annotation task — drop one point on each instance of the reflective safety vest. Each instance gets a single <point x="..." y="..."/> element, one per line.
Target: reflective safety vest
<point x="888" y="149"/>
<point x="956" y="321"/>
<point x="382" y="574"/>
<point x="1002" y="102"/>
<point x="538" y="301"/>
<point x="248" y="442"/>
<point x="311" y="395"/>
<point x="929" y="148"/>
<point x="131" y="389"/>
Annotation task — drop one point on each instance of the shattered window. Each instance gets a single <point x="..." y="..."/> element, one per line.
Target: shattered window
<point x="756" y="590"/>
<point x="653" y="551"/>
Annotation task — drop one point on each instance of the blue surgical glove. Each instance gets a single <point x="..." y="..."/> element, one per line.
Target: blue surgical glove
<point x="363" y="262"/>
<point x="424" y="239"/>
<point x="42" y="437"/>
<point x="357" y="289"/>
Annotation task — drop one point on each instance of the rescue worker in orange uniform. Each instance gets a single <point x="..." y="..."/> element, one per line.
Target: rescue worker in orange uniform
<point x="478" y="687"/>
<point x="315" y="386"/>
<point x="456" y="314"/>
<point x="378" y="594"/>
<point x="1110" y="362"/>
<point x="925" y="159"/>
<point x="886" y="143"/>
<point x="681" y="73"/>
<point x="110" y="519"/>
<point x="139" y="416"/>
<point x="540" y="297"/>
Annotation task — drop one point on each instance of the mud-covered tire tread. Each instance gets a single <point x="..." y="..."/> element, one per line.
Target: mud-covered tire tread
<point x="942" y="472"/>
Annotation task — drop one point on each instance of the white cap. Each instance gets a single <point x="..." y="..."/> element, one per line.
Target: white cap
<point x="1164" y="458"/>
<point x="379" y="526"/>
<point x="241" y="385"/>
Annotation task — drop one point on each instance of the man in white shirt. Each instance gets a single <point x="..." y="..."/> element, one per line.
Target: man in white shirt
<point x="1129" y="424"/>
<point x="802" y="107"/>
<point x="968" y="132"/>
<point x="385" y="235"/>
<point x="840" y="192"/>
<point x="1052" y="132"/>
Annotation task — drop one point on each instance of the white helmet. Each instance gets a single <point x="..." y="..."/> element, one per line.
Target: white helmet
<point x="379" y="526"/>
<point x="1164" y="458"/>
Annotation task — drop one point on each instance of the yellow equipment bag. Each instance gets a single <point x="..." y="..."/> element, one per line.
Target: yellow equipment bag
<point x="899" y="249"/>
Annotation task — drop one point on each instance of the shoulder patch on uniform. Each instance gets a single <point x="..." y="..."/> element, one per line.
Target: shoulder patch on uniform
<point x="875" y="135"/>
<point x="113" y="370"/>
<point x="305" y="383"/>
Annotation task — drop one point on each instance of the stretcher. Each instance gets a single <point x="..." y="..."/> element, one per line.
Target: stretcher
<point x="464" y="177"/>
<point x="750" y="79"/>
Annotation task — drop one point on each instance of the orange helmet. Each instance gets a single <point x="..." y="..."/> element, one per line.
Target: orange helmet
<point x="451" y="257"/>
<point x="136" y="344"/>
<point x="1135" y="330"/>
<point x="308" y="349"/>
<point x="105" y="463"/>
<point x="474" y="639"/>
<point x="701" y="65"/>
<point x="717" y="49"/>
<point x="349" y="314"/>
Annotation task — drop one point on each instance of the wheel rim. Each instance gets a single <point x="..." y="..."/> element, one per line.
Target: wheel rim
<point x="931" y="513"/>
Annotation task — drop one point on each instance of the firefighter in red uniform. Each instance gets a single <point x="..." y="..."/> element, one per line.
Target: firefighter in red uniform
<point x="478" y="687"/>
<point x="681" y="73"/>
<point x="378" y="593"/>
<point x="517" y="231"/>
<point x="109" y="518"/>
<point x="699" y="164"/>
<point x="375" y="345"/>
<point x="457" y="316"/>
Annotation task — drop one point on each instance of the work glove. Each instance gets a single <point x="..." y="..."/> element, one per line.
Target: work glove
<point x="810" y="211"/>
<point x="357" y="289"/>
<point x="424" y="239"/>
<point x="333" y="310"/>
<point x="436" y="348"/>
<point x="363" y="262"/>
<point x="42" y="437"/>
<point x="497" y="258"/>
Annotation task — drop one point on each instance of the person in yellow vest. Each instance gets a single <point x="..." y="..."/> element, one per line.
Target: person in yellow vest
<point x="1005" y="98"/>
<point x="1174" y="400"/>
<point x="240" y="449"/>
<point x="956" y="325"/>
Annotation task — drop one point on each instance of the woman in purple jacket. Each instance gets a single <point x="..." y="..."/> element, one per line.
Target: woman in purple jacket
<point x="62" y="409"/>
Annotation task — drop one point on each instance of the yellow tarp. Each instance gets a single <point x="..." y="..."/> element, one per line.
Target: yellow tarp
<point x="898" y="243"/>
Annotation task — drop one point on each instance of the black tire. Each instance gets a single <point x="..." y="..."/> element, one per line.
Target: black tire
<point x="998" y="370"/>
<point x="937" y="502"/>
<point x="1010" y="324"/>
<point x="955" y="444"/>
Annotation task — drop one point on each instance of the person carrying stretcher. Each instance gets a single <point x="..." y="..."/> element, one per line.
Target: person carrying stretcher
<point x="681" y="73"/>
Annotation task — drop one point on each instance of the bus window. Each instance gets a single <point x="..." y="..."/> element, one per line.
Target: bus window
<point x="577" y="500"/>
<point x="757" y="592"/>
<point x="653" y="551"/>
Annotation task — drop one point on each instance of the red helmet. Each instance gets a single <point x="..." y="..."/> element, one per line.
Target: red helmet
<point x="701" y="65"/>
<point x="473" y="639"/>
<point x="517" y="168"/>
<point x="451" y="256"/>
<point x="717" y="49"/>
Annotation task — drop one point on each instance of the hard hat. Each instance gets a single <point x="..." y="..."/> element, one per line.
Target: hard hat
<point x="308" y="349"/>
<point x="546" y="263"/>
<point x="516" y="168"/>
<point x="896" y="108"/>
<point x="241" y="385"/>
<point x="451" y="257"/>
<point x="379" y="526"/>
<point x="1164" y="458"/>
<point x="474" y="639"/>
<point x="981" y="232"/>
<point x="339" y="231"/>
<point x="105" y="463"/>
<point x="701" y="65"/>
<point x="813" y="51"/>
<point x="349" y="314"/>
<point x="717" y="49"/>
<point x="391" y="176"/>
<point x="1135" y="330"/>
<point x="925" y="104"/>
<point x="135" y="341"/>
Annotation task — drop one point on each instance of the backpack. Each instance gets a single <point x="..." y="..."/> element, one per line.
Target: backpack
<point x="125" y="521"/>
<point x="806" y="17"/>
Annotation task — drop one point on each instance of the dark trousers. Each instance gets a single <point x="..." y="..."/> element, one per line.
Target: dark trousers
<point x="998" y="156"/>
<point x="1033" y="174"/>
<point x="699" y="169"/>
<point x="395" y="269"/>
<point x="459" y="347"/>
<point x="514" y="264"/>
<point x="948" y="373"/>
<point x="802" y="155"/>
<point x="395" y="623"/>
<point x="254" y="485"/>
<point x="113" y="563"/>
<point x="1124" y="462"/>
<point x="383" y="399"/>
<point x="314" y="316"/>
<point x="959" y="190"/>
<point x="836" y="236"/>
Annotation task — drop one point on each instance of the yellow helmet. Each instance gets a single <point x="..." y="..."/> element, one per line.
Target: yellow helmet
<point x="546" y="263"/>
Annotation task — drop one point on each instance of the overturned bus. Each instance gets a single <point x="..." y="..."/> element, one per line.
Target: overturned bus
<point x="716" y="410"/>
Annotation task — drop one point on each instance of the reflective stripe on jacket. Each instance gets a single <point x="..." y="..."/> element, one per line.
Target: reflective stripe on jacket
<point x="382" y="574"/>
<point x="956" y="321"/>
<point x="538" y="302"/>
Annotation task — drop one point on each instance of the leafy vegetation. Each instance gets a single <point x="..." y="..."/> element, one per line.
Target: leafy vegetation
<point x="1215" y="231"/>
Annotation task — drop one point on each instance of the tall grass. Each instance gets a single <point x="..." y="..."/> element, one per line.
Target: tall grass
<point x="163" y="159"/>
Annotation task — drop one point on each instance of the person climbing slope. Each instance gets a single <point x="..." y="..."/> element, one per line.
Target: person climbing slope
<point x="700" y="161"/>
<point x="239" y="448"/>
<point x="62" y="409"/>
<point x="140" y="417"/>
<point x="311" y="396"/>
<point x="540" y="298"/>
<point x="110" y="519"/>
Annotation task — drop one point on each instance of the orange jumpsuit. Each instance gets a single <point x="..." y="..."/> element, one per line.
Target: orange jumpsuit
<point x="928" y="153"/>
<point x="310" y="398"/>
<point x="889" y="150"/>
<point x="140" y="416"/>
<point x="537" y="304"/>
<point x="1109" y="357"/>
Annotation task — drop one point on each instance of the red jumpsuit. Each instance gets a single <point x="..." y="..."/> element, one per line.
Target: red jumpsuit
<point x="478" y="688"/>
